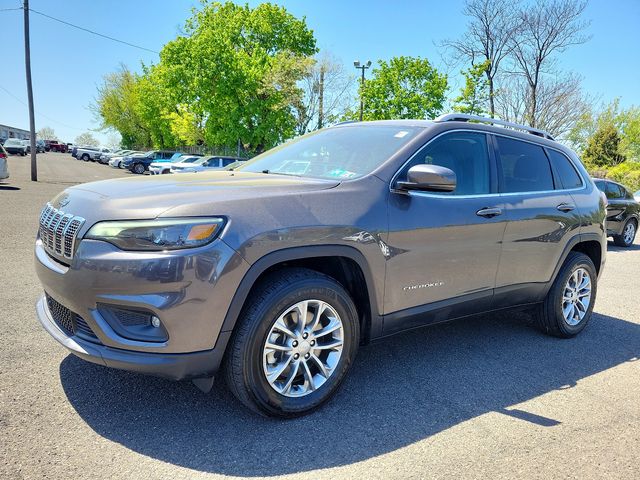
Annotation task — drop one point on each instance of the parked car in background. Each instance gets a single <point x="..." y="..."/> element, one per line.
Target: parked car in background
<point x="40" y="146"/>
<point x="279" y="277"/>
<point x="637" y="196"/>
<point x="16" y="146"/>
<point x="56" y="146"/>
<point x="90" y="153"/>
<point x="140" y="164"/>
<point x="116" y="161"/>
<point x="623" y="212"/>
<point x="4" y="164"/>
<point x="164" y="167"/>
<point x="106" y="156"/>
<point x="214" y="162"/>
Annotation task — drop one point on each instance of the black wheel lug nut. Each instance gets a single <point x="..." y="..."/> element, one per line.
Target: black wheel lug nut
<point x="306" y="355"/>
<point x="295" y="344"/>
<point x="296" y="356"/>
<point x="305" y="335"/>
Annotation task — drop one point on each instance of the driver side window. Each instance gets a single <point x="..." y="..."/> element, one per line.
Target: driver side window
<point x="466" y="154"/>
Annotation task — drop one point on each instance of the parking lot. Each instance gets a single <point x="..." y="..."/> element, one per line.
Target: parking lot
<point x="485" y="397"/>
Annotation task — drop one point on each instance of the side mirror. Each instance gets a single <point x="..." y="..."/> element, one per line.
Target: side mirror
<point x="430" y="178"/>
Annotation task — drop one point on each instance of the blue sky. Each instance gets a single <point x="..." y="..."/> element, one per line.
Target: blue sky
<point x="68" y="64"/>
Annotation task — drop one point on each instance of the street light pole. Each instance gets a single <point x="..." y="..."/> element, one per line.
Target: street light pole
<point x="362" y="67"/>
<point x="32" y="120"/>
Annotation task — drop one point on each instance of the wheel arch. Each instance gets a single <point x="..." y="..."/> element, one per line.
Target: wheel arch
<point x="345" y="264"/>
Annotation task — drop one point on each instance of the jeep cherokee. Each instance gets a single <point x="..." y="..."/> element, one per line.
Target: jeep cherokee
<point x="274" y="273"/>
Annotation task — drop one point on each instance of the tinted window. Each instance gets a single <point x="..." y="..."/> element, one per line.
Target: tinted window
<point x="602" y="186"/>
<point x="227" y="161"/>
<point x="525" y="167"/>
<point x="212" y="162"/>
<point x="614" y="191"/>
<point x="463" y="152"/>
<point x="566" y="171"/>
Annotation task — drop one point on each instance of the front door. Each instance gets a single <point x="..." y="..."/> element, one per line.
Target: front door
<point x="444" y="248"/>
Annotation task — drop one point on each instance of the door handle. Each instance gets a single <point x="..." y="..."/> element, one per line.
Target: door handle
<point x="489" y="212"/>
<point x="566" y="207"/>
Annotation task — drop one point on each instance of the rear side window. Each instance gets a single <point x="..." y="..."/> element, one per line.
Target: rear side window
<point x="463" y="152"/>
<point x="524" y="167"/>
<point x="614" y="191"/>
<point x="566" y="171"/>
<point x="227" y="161"/>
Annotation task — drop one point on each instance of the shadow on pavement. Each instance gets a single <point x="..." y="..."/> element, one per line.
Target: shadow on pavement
<point x="8" y="187"/>
<point x="399" y="391"/>
<point x="613" y="248"/>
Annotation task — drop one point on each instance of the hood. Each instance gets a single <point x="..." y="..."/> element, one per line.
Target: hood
<point x="152" y="196"/>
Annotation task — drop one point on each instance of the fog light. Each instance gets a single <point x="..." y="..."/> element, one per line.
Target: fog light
<point x="155" y="321"/>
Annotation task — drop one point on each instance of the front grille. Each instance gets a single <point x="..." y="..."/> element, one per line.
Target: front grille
<point x="69" y="322"/>
<point x="58" y="231"/>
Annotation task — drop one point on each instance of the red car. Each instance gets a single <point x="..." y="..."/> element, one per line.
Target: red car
<point x="55" y="146"/>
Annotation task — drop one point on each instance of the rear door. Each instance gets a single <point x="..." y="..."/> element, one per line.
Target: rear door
<point x="542" y="218"/>
<point x="617" y="205"/>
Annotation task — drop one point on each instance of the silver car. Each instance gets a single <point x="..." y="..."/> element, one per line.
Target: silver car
<point x="4" y="164"/>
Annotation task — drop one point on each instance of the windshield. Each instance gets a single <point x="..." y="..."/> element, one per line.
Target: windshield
<point x="12" y="142"/>
<point x="343" y="152"/>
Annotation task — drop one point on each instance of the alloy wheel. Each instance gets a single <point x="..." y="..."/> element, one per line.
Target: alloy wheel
<point x="629" y="233"/>
<point x="303" y="348"/>
<point x="576" y="297"/>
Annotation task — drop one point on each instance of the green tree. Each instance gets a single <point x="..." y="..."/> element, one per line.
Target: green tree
<point x="603" y="148"/>
<point x="474" y="96"/>
<point x="625" y="120"/>
<point x="235" y="73"/>
<point x="86" y="139"/>
<point x="118" y="106"/>
<point x="404" y="87"/>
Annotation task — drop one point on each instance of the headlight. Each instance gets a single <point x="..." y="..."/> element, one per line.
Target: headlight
<point x="156" y="235"/>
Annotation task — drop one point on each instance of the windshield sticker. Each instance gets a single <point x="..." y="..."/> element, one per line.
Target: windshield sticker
<point x="340" y="173"/>
<point x="401" y="134"/>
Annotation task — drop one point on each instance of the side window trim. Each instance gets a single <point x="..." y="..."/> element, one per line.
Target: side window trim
<point x="493" y="175"/>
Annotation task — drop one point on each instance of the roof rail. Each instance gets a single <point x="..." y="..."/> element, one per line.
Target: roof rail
<point x="464" y="117"/>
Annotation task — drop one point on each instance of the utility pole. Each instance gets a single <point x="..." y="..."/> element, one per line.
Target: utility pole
<point x="32" y="120"/>
<point x="321" y="98"/>
<point x="362" y="67"/>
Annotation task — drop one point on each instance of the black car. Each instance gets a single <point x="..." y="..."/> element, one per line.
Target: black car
<point x="140" y="163"/>
<point x="623" y="212"/>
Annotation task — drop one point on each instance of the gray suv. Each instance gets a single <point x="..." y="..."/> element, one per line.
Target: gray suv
<point x="275" y="272"/>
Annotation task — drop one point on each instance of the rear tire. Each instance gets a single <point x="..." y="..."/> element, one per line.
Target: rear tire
<point x="84" y="157"/>
<point x="138" y="168"/>
<point x="567" y="308"/>
<point x="628" y="234"/>
<point x="303" y="384"/>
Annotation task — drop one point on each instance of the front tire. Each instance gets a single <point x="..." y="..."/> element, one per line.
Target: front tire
<point x="293" y="345"/>
<point x="84" y="157"/>
<point x="568" y="306"/>
<point x="628" y="234"/>
<point x="138" y="168"/>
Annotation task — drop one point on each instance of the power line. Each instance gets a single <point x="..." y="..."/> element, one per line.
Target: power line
<point x="92" y="32"/>
<point x="9" y="9"/>
<point x="41" y="114"/>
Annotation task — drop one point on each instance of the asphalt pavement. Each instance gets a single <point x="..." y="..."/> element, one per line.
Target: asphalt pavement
<point x="484" y="397"/>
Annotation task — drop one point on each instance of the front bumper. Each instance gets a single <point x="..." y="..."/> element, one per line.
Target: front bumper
<point x="189" y="290"/>
<point x="173" y="366"/>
